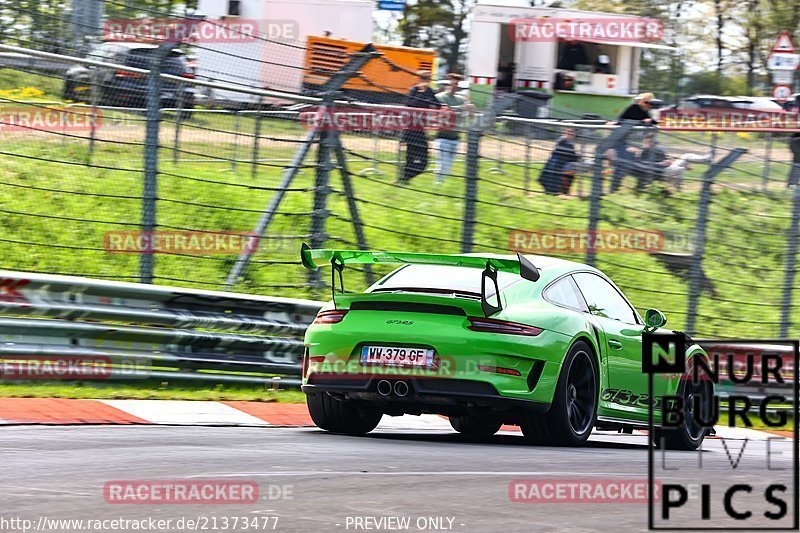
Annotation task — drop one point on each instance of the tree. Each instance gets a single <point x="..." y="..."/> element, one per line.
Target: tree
<point x="440" y="25"/>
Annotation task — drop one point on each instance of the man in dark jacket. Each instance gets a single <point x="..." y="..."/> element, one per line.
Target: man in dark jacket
<point x="421" y="95"/>
<point x="651" y="163"/>
<point x="558" y="172"/>
<point x="638" y="111"/>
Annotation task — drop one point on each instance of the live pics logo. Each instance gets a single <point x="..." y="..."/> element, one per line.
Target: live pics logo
<point x="739" y="478"/>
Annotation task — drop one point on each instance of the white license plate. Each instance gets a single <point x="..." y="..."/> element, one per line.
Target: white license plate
<point x="396" y="356"/>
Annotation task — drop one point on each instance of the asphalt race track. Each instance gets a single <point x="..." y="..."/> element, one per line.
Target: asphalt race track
<point x="323" y="482"/>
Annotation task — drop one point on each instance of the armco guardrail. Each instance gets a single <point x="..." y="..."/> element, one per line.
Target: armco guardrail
<point x="153" y="331"/>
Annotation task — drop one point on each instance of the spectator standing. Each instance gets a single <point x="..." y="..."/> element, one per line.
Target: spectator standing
<point x="447" y="139"/>
<point x="638" y="111"/>
<point x="559" y="171"/>
<point x="421" y="96"/>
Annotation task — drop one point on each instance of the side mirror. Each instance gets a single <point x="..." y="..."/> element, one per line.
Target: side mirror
<point x="653" y="318"/>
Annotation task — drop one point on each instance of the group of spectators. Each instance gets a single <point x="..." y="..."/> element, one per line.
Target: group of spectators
<point x="647" y="164"/>
<point x="416" y="139"/>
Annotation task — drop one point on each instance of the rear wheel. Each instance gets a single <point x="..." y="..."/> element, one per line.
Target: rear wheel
<point x="572" y="414"/>
<point x="475" y="427"/>
<point x="341" y="416"/>
<point x="696" y="395"/>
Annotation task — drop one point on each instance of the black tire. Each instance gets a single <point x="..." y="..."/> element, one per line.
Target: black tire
<point x="689" y="435"/>
<point x="474" y="427"/>
<point x="341" y="416"/>
<point x="573" y="413"/>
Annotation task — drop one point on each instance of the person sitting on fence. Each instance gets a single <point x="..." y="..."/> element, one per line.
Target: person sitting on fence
<point x="652" y="163"/>
<point x="559" y="171"/>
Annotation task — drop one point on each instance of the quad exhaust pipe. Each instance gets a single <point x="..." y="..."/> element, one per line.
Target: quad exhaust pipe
<point x="400" y="388"/>
<point x="384" y="388"/>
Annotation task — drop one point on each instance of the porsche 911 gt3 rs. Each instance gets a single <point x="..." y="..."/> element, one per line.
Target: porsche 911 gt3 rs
<point x="547" y="344"/>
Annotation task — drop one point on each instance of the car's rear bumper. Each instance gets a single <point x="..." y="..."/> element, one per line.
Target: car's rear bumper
<point x="451" y="397"/>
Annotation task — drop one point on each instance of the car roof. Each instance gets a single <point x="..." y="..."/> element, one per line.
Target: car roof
<point x="545" y="263"/>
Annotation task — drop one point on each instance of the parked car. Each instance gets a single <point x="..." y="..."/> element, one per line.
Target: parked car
<point x="123" y="88"/>
<point x="725" y="104"/>
<point x="548" y="344"/>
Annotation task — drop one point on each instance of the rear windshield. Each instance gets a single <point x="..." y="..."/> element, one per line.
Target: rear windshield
<point x="440" y="277"/>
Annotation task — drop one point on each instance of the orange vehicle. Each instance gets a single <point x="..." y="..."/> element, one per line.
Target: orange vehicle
<point x="382" y="80"/>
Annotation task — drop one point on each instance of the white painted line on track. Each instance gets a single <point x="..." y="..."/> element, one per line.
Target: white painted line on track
<point x="184" y="412"/>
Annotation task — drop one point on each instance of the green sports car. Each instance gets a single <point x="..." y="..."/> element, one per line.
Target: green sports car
<point x="547" y="344"/>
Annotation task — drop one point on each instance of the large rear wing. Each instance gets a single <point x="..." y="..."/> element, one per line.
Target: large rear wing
<point x="315" y="258"/>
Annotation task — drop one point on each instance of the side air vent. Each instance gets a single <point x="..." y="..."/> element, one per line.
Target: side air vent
<point x="535" y="374"/>
<point x="410" y="307"/>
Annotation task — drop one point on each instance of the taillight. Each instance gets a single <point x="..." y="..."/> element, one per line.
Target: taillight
<point x="126" y="74"/>
<point x="490" y="325"/>
<point x="498" y="370"/>
<point x="187" y="75"/>
<point x="330" y="317"/>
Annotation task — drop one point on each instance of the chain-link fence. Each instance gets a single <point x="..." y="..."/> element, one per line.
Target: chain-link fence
<point x="130" y="162"/>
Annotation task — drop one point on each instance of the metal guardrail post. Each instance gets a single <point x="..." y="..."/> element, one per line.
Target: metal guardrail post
<point x="791" y="257"/>
<point x="696" y="265"/>
<point x="150" y="187"/>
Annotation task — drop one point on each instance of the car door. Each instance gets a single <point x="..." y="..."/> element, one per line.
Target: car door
<point x="623" y="336"/>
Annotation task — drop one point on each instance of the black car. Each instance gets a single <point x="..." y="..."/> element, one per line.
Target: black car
<point x="123" y="88"/>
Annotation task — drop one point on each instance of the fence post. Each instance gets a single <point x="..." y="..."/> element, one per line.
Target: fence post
<point x="471" y="189"/>
<point x="319" y="213"/>
<point x="767" y="156"/>
<point x="256" y="143"/>
<point x="237" y="125"/>
<point x="93" y="121"/>
<point x="153" y="121"/>
<point x="352" y="204"/>
<point x="791" y="255"/>
<point x="479" y="125"/>
<point x="178" y="117"/>
<point x="527" y="185"/>
<point x="621" y="132"/>
<point x="696" y="264"/>
<point x="336" y="81"/>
